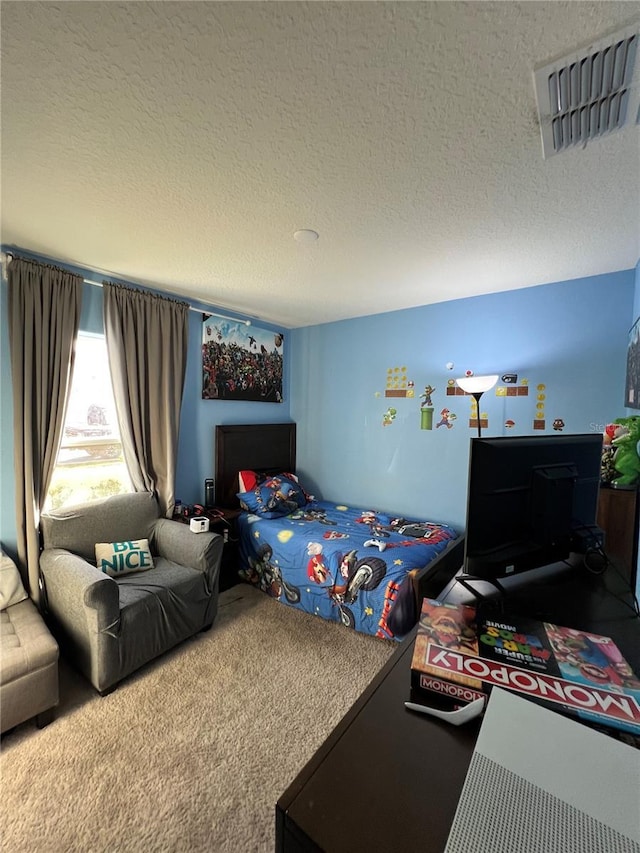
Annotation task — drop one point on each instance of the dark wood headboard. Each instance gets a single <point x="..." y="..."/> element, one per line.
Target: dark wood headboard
<point x="259" y="447"/>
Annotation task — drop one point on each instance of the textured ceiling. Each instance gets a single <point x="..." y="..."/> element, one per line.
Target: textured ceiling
<point x="180" y="145"/>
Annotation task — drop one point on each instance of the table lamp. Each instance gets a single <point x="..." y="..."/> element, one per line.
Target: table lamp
<point x="476" y="386"/>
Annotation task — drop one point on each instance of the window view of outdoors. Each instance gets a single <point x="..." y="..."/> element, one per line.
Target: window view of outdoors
<point x="90" y="463"/>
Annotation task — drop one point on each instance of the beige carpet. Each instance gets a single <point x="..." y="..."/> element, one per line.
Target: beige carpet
<point x="191" y="753"/>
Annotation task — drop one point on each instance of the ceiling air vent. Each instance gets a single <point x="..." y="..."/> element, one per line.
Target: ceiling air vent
<point x="593" y="92"/>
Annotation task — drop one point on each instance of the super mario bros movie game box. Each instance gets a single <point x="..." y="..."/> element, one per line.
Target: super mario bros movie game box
<point x="460" y="654"/>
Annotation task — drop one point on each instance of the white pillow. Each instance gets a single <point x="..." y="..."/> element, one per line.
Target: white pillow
<point x="122" y="558"/>
<point x="11" y="589"/>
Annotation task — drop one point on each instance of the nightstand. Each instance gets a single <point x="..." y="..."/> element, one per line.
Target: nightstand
<point x="223" y="521"/>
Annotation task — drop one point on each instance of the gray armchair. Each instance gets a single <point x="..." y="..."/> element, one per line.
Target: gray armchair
<point x="110" y="626"/>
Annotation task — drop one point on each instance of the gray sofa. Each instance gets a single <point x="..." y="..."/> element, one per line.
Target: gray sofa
<point x="28" y="655"/>
<point x="107" y="626"/>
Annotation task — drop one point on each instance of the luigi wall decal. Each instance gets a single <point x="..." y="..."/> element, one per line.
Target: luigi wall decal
<point x="426" y="407"/>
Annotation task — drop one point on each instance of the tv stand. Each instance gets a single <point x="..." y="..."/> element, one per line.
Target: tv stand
<point x="515" y="585"/>
<point x="465" y="581"/>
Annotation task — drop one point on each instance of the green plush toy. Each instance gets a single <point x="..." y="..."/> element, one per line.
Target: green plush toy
<point x="627" y="459"/>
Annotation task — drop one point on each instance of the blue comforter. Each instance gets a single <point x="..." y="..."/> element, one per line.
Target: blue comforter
<point x="340" y="563"/>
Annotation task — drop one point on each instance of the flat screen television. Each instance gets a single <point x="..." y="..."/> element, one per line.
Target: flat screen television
<point x="532" y="500"/>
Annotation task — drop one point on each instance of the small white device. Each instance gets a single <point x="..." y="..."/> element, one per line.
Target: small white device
<point x="199" y="524"/>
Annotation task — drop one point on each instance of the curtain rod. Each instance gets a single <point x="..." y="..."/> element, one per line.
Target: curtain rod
<point x="6" y="256"/>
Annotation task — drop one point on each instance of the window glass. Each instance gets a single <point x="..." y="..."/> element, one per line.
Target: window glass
<point x="90" y="462"/>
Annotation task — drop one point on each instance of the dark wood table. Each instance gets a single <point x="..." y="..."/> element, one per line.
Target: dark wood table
<point x="387" y="779"/>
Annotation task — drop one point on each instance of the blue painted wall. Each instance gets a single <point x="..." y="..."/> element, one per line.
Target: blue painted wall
<point x="570" y="337"/>
<point x="198" y="420"/>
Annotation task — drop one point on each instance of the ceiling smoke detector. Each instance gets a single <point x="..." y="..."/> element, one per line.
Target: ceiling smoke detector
<point x="305" y="235"/>
<point x="593" y="92"/>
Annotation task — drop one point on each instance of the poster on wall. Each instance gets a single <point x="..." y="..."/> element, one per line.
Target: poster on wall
<point x="632" y="385"/>
<point x="240" y="362"/>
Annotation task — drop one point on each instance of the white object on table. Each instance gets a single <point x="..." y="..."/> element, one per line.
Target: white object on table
<point x="539" y="781"/>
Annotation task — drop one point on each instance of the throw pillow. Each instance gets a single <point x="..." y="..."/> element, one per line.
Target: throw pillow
<point x="11" y="589"/>
<point x="275" y="496"/>
<point x="247" y="480"/>
<point x="122" y="558"/>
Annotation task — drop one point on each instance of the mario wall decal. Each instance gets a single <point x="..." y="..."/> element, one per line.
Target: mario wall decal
<point x="447" y="418"/>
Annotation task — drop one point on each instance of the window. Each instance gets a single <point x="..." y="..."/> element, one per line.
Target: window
<point x="90" y="462"/>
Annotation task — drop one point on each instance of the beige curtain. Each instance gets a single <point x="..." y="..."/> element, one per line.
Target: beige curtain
<point x="146" y="339"/>
<point x="44" y="314"/>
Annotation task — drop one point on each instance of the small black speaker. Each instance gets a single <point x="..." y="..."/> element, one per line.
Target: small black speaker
<point x="209" y="493"/>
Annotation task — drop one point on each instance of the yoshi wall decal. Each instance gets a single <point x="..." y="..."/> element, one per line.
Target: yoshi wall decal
<point x="389" y="416"/>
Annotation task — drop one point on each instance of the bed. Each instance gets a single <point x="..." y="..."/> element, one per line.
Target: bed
<point x="366" y="569"/>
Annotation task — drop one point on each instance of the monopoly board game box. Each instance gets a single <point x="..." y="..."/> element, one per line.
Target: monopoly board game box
<point x="460" y="654"/>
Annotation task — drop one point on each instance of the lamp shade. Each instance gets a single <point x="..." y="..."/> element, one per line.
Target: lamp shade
<point x="477" y="384"/>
